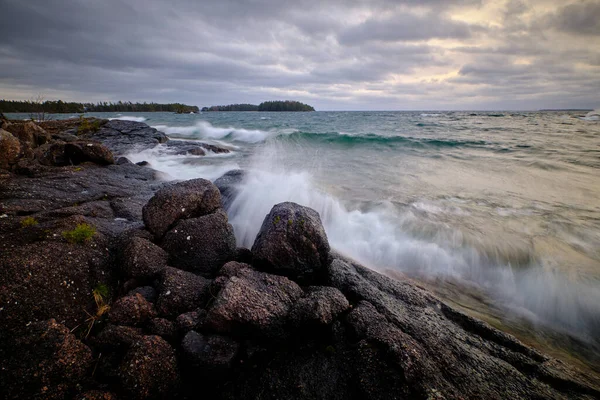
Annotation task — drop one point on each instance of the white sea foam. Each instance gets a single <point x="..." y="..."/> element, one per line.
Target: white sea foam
<point x="129" y="118"/>
<point x="205" y="130"/>
<point x="378" y="239"/>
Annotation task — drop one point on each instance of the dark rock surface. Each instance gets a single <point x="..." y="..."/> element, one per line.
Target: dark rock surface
<point x="143" y="259"/>
<point x="202" y="244"/>
<point x="189" y="199"/>
<point x="180" y="291"/>
<point x="148" y="292"/>
<point x="292" y="242"/>
<point x="50" y="363"/>
<point x="194" y="148"/>
<point x="162" y="327"/>
<point x="117" y="337"/>
<point x="122" y="137"/>
<point x="149" y="370"/>
<point x="252" y="303"/>
<point x="228" y="185"/>
<point x="10" y="148"/>
<point x="209" y="353"/>
<point x="131" y="311"/>
<point x="320" y="306"/>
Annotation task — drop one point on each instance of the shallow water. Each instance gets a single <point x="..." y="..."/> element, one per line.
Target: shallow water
<point x="496" y="212"/>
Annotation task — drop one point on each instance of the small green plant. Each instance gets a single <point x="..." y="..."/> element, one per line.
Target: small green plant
<point x="87" y="125"/>
<point x="100" y="293"/>
<point x="276" y="220"/>
<point x="28" y="221"/>
<point x="81" y="234"/>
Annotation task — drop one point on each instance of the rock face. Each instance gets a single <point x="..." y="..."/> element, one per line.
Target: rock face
<point x="180" y="292"/>
<point x="252" y="303"/>
<point x="143" y="259"/>
<point x="50" y="363"/>
<point x="201" y="244"/>
<point x="189" y="199"/>
<point x="10" y="148"/>
<point x="121" y="137"/>
<point x="149" y="370"/>
<point x="292" y="242"/>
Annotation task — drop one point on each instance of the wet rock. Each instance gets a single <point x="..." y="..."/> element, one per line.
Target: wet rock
<point x="228" y="185"/>
<point x="143" y="259"/>
<point x="212" y="353"/>
<point x="243" y="255"/>
<point x="117" y="337"/>
<point x="189" y="199"/>
<point x="180" y="291"/>
<point x="149" y="370"/>
<point x="252" y="303"/>
<point x="131" y="310"/>
<point x="143" y="164"/>
<point x="122" y="137"/>
<point x="292" y="242"/>
<point x="29" y="133"/>
<point x="148" y="292"/>
<point x="48" y="362"/>
<point x="320" y="306"/>
<point x="201" y="244"/>
<point x="80" y="152"/>
<point x="162" y="327"/>
<point x="10" y="148"/>
<point x="122" y="160"/>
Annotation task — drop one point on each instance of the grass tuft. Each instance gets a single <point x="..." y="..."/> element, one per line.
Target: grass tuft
<point x="81" y="234"/>
<point x="28" y="221"/>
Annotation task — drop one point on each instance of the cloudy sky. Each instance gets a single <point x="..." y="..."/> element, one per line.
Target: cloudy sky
<point x="333" y="54"/>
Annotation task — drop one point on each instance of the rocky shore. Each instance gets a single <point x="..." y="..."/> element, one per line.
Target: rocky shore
<point x="116" y="285"/>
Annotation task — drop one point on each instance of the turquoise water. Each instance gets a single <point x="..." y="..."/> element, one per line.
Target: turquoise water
<point x="496" y="212"/>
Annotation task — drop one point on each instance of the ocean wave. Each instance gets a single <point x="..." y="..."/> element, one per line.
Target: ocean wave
<point x="205" y="130"/>
<point x="129" y="118"/>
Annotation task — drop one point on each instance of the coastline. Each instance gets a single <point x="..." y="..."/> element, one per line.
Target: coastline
<point x="388" y="327"/>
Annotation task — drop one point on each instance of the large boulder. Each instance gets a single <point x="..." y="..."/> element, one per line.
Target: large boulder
<point x="189" y="199"/>
<point x="49" y="363"/>
<point x="251" y="303"/>
<point x="180" y="291"/>
<point x="292" y="242"/>
<point x="143" y="259"/>
<point x="117" y="337"/>
<point x="29" y="133"/>
<point x="149" y="370"/>
<point x="228" y="185"/>
<point x="131" y="310"/>
<point x="201" y="244"/>
<point x="80" y="152"/>
<point x="10" y="149"/>
<point x="212" y="353"/>
<point x="320" y="307"/>
<point x="122" y="137"/>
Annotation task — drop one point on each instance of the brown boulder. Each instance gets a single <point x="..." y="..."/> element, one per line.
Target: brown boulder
<point x="143" y="259"/>
<point x="149" y="369"/>
<point x="189" y="199"/>
<point x="131" y="310"/>
<point x="180" y="291"/>
<point x="48" y="363"/>
<point x="252" y="303"/>
<point x="29" y="133"/>
<point x="10" y="149"/>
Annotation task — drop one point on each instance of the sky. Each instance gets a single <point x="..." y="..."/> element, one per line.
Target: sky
<point x="332" y="54"/>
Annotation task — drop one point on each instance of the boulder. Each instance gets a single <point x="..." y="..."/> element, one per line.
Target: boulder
<point x="292" y="242"/>
<point x="212" y="353"/>
<point x="228" y="185"/>
<point x="29" y="133"/>
<point x="252" y="303"/>
<point x="162" y="327"/>
<point x="10" y="149"/>
<point x="143" y="259"/>
<point x="122" y="161"/>
<point x="190" y="320"/>
<point x="320" y="306"/>
<point x="117" y="337"/>
<point x="189" y="199"/>
<point x="52" y="154"/>
<point x="80" y="152"/>
<point x="201" y="244"/>
<point x="131" y="310"/>
<point x="180" y="291"/>
<point x="149" y="369"/>
<point x="49" y="361"/>
<point x="148" y="292"/>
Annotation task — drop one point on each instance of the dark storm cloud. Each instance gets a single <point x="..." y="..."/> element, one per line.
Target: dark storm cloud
<point x="335" y="54"/>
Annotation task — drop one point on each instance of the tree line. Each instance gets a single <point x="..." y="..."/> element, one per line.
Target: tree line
<point x="287" y="105"/>
<point x="59" y="106"/>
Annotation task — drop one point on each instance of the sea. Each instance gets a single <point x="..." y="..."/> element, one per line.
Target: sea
<point x="497" y="213"/>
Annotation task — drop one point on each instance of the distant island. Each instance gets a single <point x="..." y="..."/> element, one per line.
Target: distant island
<point x="566" y="109"/>
<point x="287" y="105"/>
<point x="59" y="106"/>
